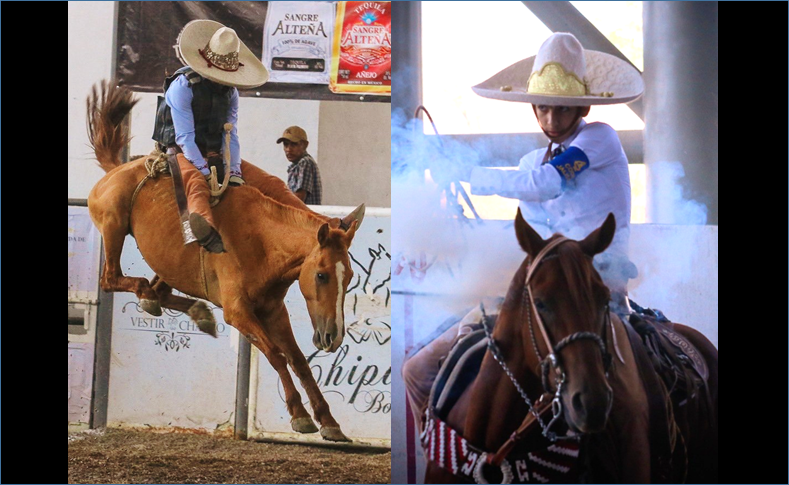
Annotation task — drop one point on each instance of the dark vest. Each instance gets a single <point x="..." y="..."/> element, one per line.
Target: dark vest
<point x="210" y="103"/>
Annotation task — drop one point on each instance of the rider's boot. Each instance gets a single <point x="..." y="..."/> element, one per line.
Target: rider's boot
<point x="197" y="201"/>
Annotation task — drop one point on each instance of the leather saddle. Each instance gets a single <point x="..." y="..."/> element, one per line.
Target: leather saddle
<point x="459" y="369"/>
<point x="678" y="375"/>
<point x="674" y="357"/>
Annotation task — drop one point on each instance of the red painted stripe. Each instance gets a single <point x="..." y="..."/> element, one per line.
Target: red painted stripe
<point x="408" y="321"/>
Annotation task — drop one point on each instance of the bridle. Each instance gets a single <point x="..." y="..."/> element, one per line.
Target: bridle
<point x="552" y="359"/>
<point x="539" y="408"/>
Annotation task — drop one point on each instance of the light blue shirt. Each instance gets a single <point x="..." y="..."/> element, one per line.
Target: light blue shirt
<point x="179" y="99"/>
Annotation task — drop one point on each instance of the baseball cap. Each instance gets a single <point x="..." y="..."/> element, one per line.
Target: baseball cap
<point x="294" y="134"/>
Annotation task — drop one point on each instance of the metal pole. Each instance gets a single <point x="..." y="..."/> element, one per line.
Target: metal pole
<point x="101" y="357"/>
<point x="681" y="106"/>
<point x="242" y="388"/>
<point x="406" y="56"/>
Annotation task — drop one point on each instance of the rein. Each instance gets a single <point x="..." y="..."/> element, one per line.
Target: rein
<point x="154" y="166"/>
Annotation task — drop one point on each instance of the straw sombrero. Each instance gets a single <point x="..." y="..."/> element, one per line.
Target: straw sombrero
<point x="216" y="53"/>
<point x="563" y="73"/>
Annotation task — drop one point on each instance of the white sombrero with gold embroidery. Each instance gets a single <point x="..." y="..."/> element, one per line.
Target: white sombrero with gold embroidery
<point x="216" y="53"/>
<point x="563" y="73"/>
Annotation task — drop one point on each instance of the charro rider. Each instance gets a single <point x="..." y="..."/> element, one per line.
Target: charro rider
<point x="199" y="99"/>
<point x="568" y="187"/>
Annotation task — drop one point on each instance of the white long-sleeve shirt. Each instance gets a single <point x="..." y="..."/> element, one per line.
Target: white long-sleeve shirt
<point x="583" y="204"/>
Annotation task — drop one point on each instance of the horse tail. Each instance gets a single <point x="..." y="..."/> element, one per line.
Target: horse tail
<point x="107" y="107"/>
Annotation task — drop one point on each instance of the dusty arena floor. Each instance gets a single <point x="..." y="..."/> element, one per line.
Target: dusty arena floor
<point x="122" y="456"/>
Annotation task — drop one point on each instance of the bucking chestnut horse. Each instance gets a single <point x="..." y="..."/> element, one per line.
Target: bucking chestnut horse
<point x="566" y="391"/>
<point x="271" y="241"/>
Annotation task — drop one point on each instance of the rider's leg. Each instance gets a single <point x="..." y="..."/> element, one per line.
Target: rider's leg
<point x="420" y="370"/>
<point x="197" y="200"/>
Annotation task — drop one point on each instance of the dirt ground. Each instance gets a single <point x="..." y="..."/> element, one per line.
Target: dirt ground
<point x="124" y="456"/>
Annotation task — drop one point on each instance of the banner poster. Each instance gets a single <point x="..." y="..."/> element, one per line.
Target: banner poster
<point x="362" y="48"/>
<point x="297" y="41"/>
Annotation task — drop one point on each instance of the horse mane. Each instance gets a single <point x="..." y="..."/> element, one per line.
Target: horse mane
<point x="274" y="210"/>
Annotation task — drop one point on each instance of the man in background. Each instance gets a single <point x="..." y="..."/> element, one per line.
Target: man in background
<point x="304" y="178"/>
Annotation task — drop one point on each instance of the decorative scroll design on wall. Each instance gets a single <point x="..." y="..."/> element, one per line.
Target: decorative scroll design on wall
<point x="172" y="341"/>
<point x="371" y="281"/>
<point x="363" y="331"/>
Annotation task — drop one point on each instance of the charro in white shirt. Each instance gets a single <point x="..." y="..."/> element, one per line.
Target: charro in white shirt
<point x="583" y="203"/>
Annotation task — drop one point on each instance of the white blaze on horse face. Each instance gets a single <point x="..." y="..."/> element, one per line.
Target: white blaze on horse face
<point x="339" y="318"/>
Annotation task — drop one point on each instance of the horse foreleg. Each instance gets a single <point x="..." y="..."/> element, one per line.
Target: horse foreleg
<point x="300" y="421"/>
<point x="251" y="327"/>
<point x="629" y="424"/>
<point x="196" y="309"/>
<point x="278" y="325"/>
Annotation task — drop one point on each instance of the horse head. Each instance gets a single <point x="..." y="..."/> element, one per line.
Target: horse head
<point x="569" y="319"/>
<point x="324" y="278"/>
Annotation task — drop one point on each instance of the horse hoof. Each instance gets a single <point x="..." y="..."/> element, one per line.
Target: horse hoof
<point x="303" y="425"/>
<point x="334" y="434"/>
<point x="203" y="317"/>
<point x="208" y="327"/>
<point x="151" y="306"/>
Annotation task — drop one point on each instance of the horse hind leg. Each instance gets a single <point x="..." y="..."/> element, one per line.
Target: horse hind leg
<point x="112" y="278"/>
<point x="197" y="310"/>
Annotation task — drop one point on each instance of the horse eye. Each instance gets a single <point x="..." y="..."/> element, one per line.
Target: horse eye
<point x="322" y="277"/>
<point x="540" y="305"/>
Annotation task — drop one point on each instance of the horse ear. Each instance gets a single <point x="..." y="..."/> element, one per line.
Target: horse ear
<point x="530" y="241"/>
<point x="600" y="238"/>
<point x="357" y="215"/>
<point x="323" y="234"/>
<point x="351" y="232"/>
